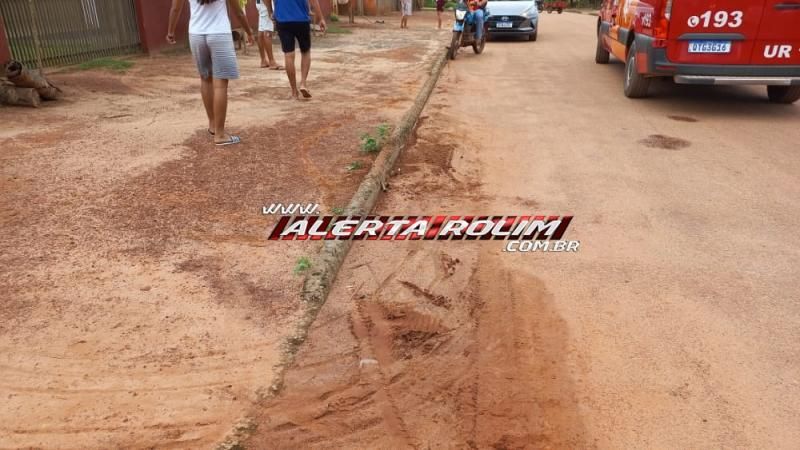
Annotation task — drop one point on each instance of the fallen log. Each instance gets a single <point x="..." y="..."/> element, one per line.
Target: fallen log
<point x="19" y="96"/>
<point x="24" y="78"/>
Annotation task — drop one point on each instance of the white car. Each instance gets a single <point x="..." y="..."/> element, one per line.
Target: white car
<point x="513" y="18"/>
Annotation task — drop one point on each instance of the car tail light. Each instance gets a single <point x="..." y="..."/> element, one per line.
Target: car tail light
<point x="662" y="25"/>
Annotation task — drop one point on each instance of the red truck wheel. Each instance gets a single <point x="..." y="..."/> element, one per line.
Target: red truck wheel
<point x="636" y="85"/>
<point x="783" y="94"/>
<point x="601" y="55"/>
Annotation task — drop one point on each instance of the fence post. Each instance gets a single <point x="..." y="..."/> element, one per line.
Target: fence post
<point x="36" y="42"/>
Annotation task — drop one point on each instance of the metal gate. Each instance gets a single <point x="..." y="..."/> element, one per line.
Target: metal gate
<point x="44" y="33"/>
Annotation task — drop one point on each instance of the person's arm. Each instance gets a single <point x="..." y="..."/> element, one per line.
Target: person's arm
<point x="318" y="13"/>
<point x="234" y="6"/>
<point x="269" y="10"/>
<point x="174" y="13"/>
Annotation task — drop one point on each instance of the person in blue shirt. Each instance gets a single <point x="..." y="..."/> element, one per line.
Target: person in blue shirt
<point x="293" y="22"/>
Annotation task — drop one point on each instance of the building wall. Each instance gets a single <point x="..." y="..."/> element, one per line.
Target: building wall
<point x="326" y="6"/>
<point x="371" y="7"/>
<point x="5" y="51"/>
<point x="153" y="19"/>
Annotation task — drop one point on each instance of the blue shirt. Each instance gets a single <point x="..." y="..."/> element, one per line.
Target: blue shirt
<point x="292" y="11"/>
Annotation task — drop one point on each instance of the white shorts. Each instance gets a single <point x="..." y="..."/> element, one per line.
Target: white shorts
<point x="407" y="7"/>
<point x="264" y="22"/>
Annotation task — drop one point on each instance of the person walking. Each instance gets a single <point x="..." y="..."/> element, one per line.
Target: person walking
<point x="265" y="30"/>
<point x="293" y="22"/>
<point x="211" y="41"/>
<point x="439" y="11"/>
<point x="406" y="6"/>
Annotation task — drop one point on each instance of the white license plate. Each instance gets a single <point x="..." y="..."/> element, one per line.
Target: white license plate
<point x="505" y="25"/>
<point x="709" y="46"/>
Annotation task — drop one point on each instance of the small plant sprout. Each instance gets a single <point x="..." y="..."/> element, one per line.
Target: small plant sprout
<point x="355" y="165"/>
<point x="369" y="144"/>
<point x="302" y="264"/>
<point x="384" y="130"/>
<point x="337" y="211"/>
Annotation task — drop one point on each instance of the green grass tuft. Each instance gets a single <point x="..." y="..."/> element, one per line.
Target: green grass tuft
<point x="373" y="144"/>
<point x="355" y="165"/>
<point x="303" y="264"/>
<point x="370" y="144"/>
<point x="384" y="130"/>
<point x="336" y="29"/>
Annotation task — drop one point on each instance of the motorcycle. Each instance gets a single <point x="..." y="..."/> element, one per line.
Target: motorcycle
<point x="464" y="31"/>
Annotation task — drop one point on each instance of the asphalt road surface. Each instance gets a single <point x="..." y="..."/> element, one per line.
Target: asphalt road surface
<point x="676" y="325"/>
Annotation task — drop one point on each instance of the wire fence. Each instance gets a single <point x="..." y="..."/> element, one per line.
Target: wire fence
<point x="44" y="33"/>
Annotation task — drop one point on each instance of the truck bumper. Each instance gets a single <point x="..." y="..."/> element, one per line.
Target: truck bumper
<point x="737" y="80"/>
<point x="654" y="62"/>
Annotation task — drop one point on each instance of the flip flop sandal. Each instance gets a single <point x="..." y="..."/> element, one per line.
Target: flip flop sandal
<point x="306" y="93"/>
<point x="231" y="141"/>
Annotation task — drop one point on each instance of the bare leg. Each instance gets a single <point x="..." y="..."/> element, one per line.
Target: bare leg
<point x="439" y="17"/>
<point x="263" y="49"/>
<point x="305" y="67"/>
<point x="220" y="109"/>
<point x="288" y="59"/>
<point x="268" y="44"/>
<point x="351" y="8"/>
<point x="207" y="92"/>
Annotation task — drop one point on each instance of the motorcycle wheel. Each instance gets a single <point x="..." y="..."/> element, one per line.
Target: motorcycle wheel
<point x="477" y="47"/>
<point x="455" y="43"/>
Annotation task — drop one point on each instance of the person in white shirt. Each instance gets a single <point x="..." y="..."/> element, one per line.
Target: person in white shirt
<point x="211" y="42"/>
<point x="265" y="30"/>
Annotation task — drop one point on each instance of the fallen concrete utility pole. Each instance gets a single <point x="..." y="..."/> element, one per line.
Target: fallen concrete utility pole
<point x="24" y="78"/>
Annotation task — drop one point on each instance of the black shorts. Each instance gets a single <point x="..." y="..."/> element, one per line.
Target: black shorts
<point x="289" y="31"/>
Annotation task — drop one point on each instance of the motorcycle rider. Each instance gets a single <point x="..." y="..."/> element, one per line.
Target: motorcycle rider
<point x="478" y="10"/>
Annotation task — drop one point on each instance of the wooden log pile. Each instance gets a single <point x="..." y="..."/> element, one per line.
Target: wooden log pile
<point x="24" y="87"/>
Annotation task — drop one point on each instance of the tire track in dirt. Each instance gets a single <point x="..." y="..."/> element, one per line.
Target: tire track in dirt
<point x="447" y="347"/>
<point x="374" y="337"/>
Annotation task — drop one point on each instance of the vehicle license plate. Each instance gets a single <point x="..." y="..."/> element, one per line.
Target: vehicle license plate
<point x="709" y="46"/>
<point x="505" y="24"/>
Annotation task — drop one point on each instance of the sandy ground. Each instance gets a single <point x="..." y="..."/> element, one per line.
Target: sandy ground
<point x="675" y="326"/>
<point x="142" y="304"/>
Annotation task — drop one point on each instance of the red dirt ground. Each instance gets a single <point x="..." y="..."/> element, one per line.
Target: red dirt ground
<point x="142" y="303"/>
<point x="416" y="346"/>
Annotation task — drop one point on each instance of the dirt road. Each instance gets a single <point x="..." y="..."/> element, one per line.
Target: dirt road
<point x="674" y="326"/>
<point x="140" y="304"/>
